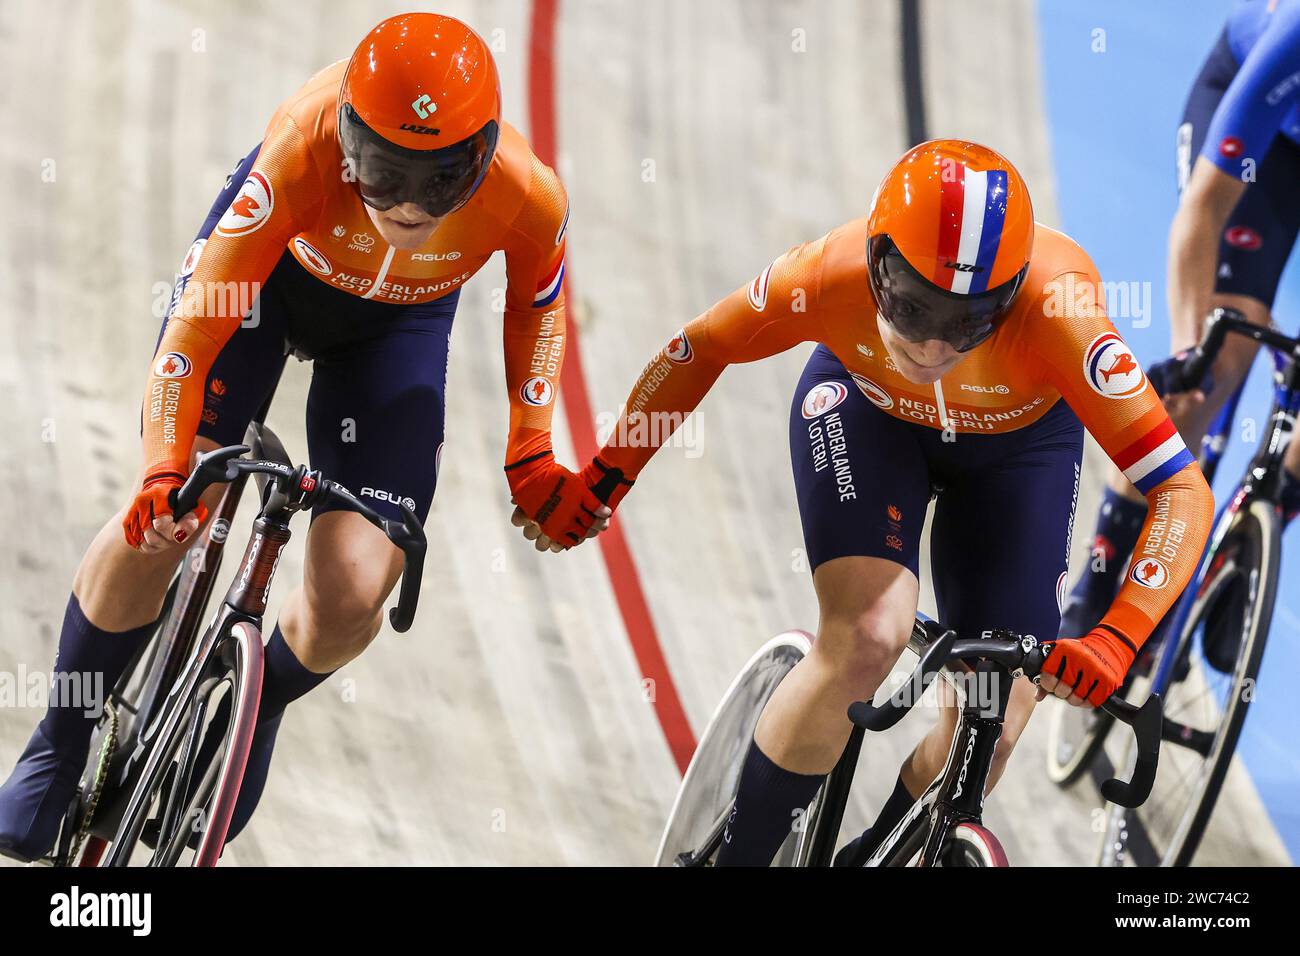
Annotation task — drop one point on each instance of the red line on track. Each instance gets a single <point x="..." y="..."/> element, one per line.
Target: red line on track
<point x="628" y="593"/>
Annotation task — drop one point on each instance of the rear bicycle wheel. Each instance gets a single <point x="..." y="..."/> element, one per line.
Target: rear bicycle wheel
<point x="184" y="805"/>
<point x="694" y="829"/>
<point x="1204" y="709"/>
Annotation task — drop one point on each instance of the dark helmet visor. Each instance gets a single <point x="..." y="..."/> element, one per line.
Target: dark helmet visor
<point x="436" y="180"/>
<point x="921" y="311"/>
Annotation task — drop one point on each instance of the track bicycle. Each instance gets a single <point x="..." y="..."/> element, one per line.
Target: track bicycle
<point x="945" y="826"/>
<point x="146" y="791"/>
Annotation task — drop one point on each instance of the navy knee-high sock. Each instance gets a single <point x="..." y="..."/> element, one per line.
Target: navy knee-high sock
<point x="88" y="663"/>
<point x="1118" y="524"/>
<point x="768" y="801"/>
<point x="35" y="796"/>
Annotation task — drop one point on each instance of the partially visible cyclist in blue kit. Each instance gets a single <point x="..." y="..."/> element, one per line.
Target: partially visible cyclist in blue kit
<point x="1238" y="216"/>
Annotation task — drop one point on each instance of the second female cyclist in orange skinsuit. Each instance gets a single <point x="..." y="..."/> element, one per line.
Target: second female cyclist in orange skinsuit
<point x="960" y="346"/>
<point x="406" y="142"/>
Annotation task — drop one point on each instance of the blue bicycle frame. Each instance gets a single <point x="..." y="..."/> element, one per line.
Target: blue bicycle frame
<point x="1214" y="443"/>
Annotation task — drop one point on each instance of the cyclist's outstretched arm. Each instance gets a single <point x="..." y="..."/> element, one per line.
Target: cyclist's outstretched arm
<point x="1085" y="359"/>
<point x="775" y="312"/>
<point x="554" y="505"/>
<point x="535" y="315"/>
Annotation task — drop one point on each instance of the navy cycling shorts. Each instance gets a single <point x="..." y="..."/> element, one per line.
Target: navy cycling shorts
<point x="1262" y="229"/>
<point x="1000" y="540"/>
<point x="375" y="409"/>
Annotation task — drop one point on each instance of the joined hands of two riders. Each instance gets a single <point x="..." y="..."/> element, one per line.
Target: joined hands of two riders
<point x="558" y="509"/>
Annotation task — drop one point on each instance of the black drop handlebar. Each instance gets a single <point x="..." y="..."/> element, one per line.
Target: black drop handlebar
<point x="1189" y="375"/>
<point x="310" y="489"/>
<point x="1020" y="656"/>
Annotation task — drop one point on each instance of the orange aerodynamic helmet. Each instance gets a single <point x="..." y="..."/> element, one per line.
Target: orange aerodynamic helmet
<point x="949" y="237"/>
<point x="420" y="113"/>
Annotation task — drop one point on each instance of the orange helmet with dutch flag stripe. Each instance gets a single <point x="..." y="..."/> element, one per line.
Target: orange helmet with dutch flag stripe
<point x="949" y="236"/>
<point x="420" y="112"/>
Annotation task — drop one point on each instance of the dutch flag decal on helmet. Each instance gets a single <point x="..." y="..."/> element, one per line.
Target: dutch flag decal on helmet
<point x="973" y="209"/>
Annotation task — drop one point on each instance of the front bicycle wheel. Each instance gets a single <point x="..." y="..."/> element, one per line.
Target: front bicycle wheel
<point x="708" y="790"/>
<point x="1075" y="737"/>
<point x="1205" y="709"/>
<point x="181" y="802"/>
<point x="970" y="844"/>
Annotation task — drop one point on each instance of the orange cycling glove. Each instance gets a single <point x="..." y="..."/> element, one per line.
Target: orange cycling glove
<point x="1093" y="666"/>
<point x="554" y="497"/>
<point x="608" y="484"/>
<point x="151" y="501"/>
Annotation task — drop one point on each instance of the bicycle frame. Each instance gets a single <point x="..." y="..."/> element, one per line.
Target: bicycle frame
<point x="196" y="581"/>
<point x="240" y="618"/>
<point x="955" y="796"/>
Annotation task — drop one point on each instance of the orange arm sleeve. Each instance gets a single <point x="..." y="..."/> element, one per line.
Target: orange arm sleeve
<point x="223" y="288"/>
<point x="534" y="325"/>
<point x="775" y="312"/>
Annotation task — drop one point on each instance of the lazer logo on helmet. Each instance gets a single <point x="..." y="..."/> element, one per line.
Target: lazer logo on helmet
<point x="963" y="266"/>
<point x="421" y="130"/>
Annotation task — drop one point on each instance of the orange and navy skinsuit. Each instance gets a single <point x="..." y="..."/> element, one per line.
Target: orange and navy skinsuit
<point x="297" y="198"/>
<point x="1057" y="343"/>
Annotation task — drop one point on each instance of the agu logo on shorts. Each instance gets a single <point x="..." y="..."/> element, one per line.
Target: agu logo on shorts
<point x="1149" y="573"/>
<point x="172" y="365"/>
<point x="314" y="258"/>
<point x="537" y="391"/>
<point x="1111" y="369"/>
<point x="877" y="395"/>
<point x="679" y="351"/>
<point x="250" y="208"/>
<point x="822" y="398"/>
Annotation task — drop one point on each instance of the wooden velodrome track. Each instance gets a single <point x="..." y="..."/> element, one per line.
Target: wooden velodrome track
<point x="513" y="725"/>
